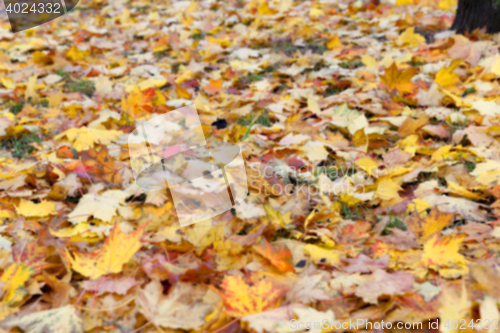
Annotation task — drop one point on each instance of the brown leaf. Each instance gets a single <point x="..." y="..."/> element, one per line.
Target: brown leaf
<point x="382" y="283"/>
<point x="364" y="264"/>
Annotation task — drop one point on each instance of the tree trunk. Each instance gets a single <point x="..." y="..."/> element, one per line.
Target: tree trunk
<point x="474" y="14"/>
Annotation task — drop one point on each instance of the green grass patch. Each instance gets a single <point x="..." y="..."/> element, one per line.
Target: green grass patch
<point x="17" y="106"/>
<point x="351" y="64"/>
<point x="263" y="119"/>
<point x="470" y="166"/>
<point x="351" y="213"/>
<point x="85" y="87"/>
<point x="198" y="36"/>
<point x="393" y="223"/>
<point x="470" y="90"/>
<point x="20" y="147"/>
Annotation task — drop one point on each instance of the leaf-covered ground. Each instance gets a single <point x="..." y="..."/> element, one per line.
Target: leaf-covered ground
<point x="370" y="135"/>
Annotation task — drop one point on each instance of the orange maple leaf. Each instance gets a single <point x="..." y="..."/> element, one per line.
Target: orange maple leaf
<point x="214" y="87"/>
<point x="242" y="300"/>
<point x="399" y="79"/>
<point x="101" y="166"/>
<point x="139" y="103"/>
<point x="280" y="256"/>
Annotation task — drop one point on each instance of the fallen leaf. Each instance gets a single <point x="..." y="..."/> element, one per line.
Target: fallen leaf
<point x="31" y="209"/>
<point x="364" y="264"/>
<point x="14" y="279"/>
<point x="243" y="300"/>
<point x="453" y="305"/>
<point x="279" y="255"/>
<point x="399" y="80"/>
<point x="117" y="250"/>
<point x="429" y="225"/>
<point x="321" y="255"/>
<point x="84" y="138"/>
<point x="108" y="284"/>
<point x="307" y="289"/>
<point x="441" y="253"/>
<point x="334" y="43"/>
<point x="446" y="76"/>
<point x="61" y="320"/>
<point x="270" y="321"/>
<point x="489" y="311"/>
<point x="185" y="307"/>
<point x="409" y="37"/>
<point x="382" y="283"/>
<point x="103" y="207"/>
<point x="428" y="290"/>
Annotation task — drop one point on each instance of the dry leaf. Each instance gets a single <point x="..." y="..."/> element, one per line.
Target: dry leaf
<point x="382" y="283"/>
<point x="185" y="307"/>
<point x="117" y="250"/>
<point x="243" y="300"/>
<point x="61" y="320"/>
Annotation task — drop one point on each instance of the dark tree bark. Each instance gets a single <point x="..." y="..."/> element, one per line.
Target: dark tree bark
<point x="474" y="14"/>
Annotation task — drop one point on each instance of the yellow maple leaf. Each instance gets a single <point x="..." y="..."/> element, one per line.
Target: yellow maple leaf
<point x="387" y="189"/>
<point x="242" y="300"/>
<point x="400" y="80"/>
<point x="41" y="58"/>
<point x="367" y="165"/>
<point x="116" y="251"/>
<point x="409" y="144"/>
<point x="75" y="54"/>
<point x="404" y="2"/>
<point x="334" y="43"/>
<point x="410" y="38"/>
<point x="154" y="82"/>
<point x="320" y="255"/>
<point x="419" y="206"/>
<point x="84" y="138"/>
<point x="277" y="219"/>
<point x="428" y="226"/>
<point x="30" y="209"/>
<point x="441" y="154"/>
<point x="441" y="253"/>
<point x="447" y="4"/>
<point x="263" y="8"/>
<point x="14" y="277"/>
<point x="446" y="76"/>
